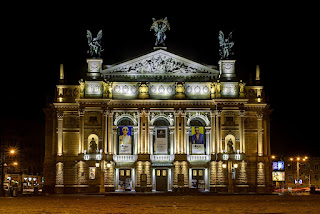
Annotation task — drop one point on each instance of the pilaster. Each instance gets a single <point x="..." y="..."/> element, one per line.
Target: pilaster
<point x="60" y="133"/>
<point x="260" y="132"/>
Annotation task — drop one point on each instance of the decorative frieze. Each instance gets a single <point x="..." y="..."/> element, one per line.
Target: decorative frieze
<point x="167" y="115"/>
<point x="131" y="115"/>
<point x="205" y="116"/>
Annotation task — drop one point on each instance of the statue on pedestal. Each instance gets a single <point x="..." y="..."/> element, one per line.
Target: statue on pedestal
<point x="225" y="45"/>
<point x="95" y="48"/>
<point x="159" y="27"/>
<point x="230" y="147"/>
<point x="93" y="146"/>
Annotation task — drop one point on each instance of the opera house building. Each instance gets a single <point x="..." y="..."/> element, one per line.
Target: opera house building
<point x="158" y="122"/>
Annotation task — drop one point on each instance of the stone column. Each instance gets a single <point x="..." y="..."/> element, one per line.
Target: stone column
<point x="151" y="139"/>
<point x="260" y="145"/>
<point x="81" y="130"/>
<point x="213" y="136"/>
<point x="172" y="151"/>
<point x="218" y="131"/>
<point x="208" y="130"/>
<point x="136" y="143"/>
<point x="105" y="131"/>
<point x="241" y="131"/>
<point x="182" y="133"/>
<point x="140" y="144"/>
<point x="176" y="134"/>
<point x="110" y="129"/>
<point x="60" y="133"/>
<point x="146" y="132"/>
<point x="187" y="140"/>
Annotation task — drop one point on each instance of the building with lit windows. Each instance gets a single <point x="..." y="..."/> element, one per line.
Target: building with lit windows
<point x="158" y="122"/>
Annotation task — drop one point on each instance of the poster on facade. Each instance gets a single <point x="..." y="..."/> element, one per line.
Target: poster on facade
<point x="278" y="176"/>
<point x="197" y="140"/>
<point x="161" y="142"/>
<point x="125" y="140"/>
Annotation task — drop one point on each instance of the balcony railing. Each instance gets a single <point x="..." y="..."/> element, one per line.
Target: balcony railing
<point x="125" y="158"/>
<point x="199" y="157"/>
<point x="92" y="156"/>
<point x="162" y="158"/>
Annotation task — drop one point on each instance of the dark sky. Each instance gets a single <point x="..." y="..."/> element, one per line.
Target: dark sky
<point x="280" y="38"/>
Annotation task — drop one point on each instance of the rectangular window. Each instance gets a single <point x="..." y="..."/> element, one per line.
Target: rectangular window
<point x="158" y="172"/>
<point x="161" y="141"/>
<point x="290" y="177"/>
<point x="197" y="140"/>
<point x="125" y="140"/>
<point x="289" y="167"/>
<point x="92" y="173"/>
<point x="316" y="177"/>
<point x="194" y="172"/>
<point x="307" y="166"/>
<point x="316" y="166"/>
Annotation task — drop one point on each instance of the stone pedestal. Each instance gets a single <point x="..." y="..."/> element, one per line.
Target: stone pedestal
<point x="94" y="68"/>
<point x="227" y="70"/>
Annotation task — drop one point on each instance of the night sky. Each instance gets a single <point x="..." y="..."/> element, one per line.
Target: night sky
<point x="281" y="39"/>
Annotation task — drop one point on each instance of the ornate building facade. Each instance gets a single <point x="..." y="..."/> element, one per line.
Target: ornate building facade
<point x="158" y="122"/>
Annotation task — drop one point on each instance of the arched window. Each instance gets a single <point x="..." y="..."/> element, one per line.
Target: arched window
<point x="93" y="144"/>
<point x="125" y="139"/>
<point x="197" y="137"/>
<point x="161" y="143"/>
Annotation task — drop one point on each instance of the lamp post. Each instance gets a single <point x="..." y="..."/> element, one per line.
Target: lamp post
<point x="298" y="160"/>
<point x="3" y="159"/>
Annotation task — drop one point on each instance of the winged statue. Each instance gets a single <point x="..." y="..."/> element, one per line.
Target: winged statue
<point x="95" y="48"/>
<point x="225" y="45"/>
<point x="160" y="27"/>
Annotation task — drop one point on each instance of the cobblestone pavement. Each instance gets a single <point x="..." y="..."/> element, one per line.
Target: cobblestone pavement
<point x="162" y="204"/>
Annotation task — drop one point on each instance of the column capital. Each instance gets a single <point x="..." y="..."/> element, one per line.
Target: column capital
<point x="259" y="116"/>
<point x="60" y="115"/>
<point x="217" y="113"/>
<point x="105" y="112"/>
<point x="242" y="113"/>
<point x="81" y="111"/>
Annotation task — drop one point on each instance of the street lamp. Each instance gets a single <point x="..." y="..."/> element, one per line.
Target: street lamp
<point x="298" y="159"/>
<point x="3" y="159"/>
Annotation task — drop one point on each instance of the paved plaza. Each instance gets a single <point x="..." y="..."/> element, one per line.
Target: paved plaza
<point x="161" y="204"/>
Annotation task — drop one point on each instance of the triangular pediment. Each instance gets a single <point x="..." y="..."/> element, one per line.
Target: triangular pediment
<point x="160" y="63"/>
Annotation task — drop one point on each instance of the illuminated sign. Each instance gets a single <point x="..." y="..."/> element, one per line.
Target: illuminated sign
<point x="278" y="165"/>
<point x="278" y="176"/>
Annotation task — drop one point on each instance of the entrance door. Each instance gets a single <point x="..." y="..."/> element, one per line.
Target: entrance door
<point x="125" y="181"/>
<point x="161" y="179"/>
<point x="198" y="178"/>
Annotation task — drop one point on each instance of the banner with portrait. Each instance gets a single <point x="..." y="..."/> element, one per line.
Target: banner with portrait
<point x="197" y="140"/>
<point x="161" y="141"/>
<point x="125" y="140"/>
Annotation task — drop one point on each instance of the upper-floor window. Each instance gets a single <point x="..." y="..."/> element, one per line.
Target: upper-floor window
<point x="125" y="137"/>
<point x="161" y="137"/>
<point x="316" y="166"/>
<point x="197" y="137"/>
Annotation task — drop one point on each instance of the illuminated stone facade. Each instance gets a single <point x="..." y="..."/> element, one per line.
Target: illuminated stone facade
<point x="159" y="122"/>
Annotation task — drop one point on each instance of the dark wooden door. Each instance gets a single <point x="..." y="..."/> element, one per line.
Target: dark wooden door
<point x="161" y="179"/>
